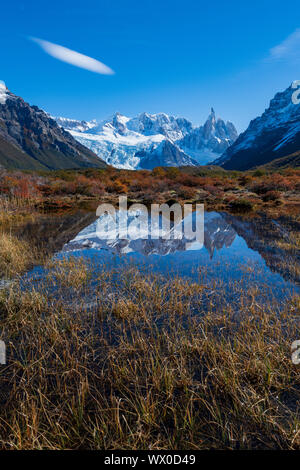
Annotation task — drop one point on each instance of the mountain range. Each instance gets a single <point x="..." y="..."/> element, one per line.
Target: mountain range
<point x="151" y="140"/>
<point x="30" y="139"/>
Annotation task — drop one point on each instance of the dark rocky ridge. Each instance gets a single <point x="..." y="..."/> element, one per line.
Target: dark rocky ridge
<point x="273" y="135"/>
<point x="167" y="154"/>
<point x="30" y="139"/>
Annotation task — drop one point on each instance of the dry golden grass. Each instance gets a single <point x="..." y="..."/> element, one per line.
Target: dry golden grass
<point x="134" y="361"/>
<point x="15" y="210"/>
<point x="140" y="362"/>
<point x="15" y="255"/>
<point x="69" y="273"/>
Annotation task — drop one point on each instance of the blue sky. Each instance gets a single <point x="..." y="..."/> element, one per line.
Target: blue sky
<point x="178" y="57"/>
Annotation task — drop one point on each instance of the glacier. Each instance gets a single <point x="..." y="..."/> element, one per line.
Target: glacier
<point x="150" y="140"/>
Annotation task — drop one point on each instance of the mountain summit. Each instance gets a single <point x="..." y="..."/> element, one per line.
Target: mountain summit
<point x="149" y="140"/>
<point x="30" y="139"/>
<point x="206" y="142"/>
<point x="275" y="134"/>
<point x="3" y="92"/>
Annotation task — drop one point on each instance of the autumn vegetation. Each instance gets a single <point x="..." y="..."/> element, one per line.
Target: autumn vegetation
<point x="214" y="187"/>
<point x="119" y="358"/>
<point x="152" y="363"/>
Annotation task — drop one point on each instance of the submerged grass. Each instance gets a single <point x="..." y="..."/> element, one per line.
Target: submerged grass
<point x="14" y="211"/>
<point x="16" y="254"/>
<point x="142" y="362"/>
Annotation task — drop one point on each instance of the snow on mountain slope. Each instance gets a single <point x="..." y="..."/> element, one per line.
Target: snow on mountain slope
<point x="73" y="124"/>
<point x="172" y="128"/>
<point x="116" y="149"/>
<point x="275" y="134"/>
<point x="3" y="94"/>
<point x="150" y="140"/>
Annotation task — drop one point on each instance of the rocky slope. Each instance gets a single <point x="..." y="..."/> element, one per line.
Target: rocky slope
<point x="292" y="160"/>
<point x="30" y="139"/>
<point x="275" y="134"/>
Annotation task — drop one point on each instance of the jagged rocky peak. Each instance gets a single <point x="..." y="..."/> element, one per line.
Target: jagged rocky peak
<point x="204" y="143"/>
<point x="218" y="127"/>
<point x="212" y="115"/>
<point x="210" y="125"/>
<point x="283" y="99"/>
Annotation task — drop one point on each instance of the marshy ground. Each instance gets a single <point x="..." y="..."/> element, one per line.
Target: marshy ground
<point x="147" y="361"/>
<point x="150" y="364"/>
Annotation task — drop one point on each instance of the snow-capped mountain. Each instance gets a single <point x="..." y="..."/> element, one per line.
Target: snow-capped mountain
<point x="172" y="128"/>
<point x="206" y="142"/>
<point x="275" y="134"/>
<point x="150" y="140"/>
<point x="79" y="126"/>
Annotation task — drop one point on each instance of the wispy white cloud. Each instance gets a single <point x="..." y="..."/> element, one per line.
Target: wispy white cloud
<point x="287" y="50"/>
<point x="73" y="57"/>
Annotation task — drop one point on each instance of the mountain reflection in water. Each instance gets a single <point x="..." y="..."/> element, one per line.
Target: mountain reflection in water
<point x="231" y="243"/>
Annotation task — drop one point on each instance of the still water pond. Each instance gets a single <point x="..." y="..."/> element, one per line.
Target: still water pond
<point x="256" y="252"/>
